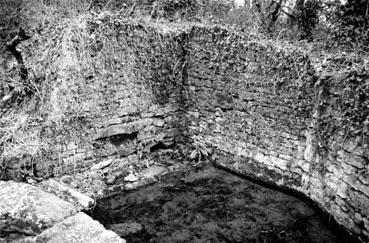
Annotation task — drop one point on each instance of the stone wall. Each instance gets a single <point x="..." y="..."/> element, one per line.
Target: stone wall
<point x="135" y="87"/>
<point x="116" y="93"/>
<point x="245" y="102"/>
<point x="259" y="109"/>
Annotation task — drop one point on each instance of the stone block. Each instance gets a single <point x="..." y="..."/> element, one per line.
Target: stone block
<point x="26" y="209"/>
<point x="122" y="129"/>
<point x="79" y="228"/>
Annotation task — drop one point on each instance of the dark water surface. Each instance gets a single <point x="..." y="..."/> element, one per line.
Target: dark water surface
<point x="211" y="205"/>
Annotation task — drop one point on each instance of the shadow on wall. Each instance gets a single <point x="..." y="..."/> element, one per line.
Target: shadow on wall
<point x="166" y="55"/>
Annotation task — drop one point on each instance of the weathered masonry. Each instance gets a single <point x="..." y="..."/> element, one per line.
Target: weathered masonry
<point x="264" y="111"/>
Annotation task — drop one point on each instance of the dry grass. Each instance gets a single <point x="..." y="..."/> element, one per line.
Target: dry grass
<point x="21" y="126"/>
<point x="20" y="137"/>
<point x="20" y="132"/>
<point x="60" y="100"/>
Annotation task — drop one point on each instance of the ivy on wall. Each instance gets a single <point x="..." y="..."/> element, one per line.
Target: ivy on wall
<point x="344" y="108"/>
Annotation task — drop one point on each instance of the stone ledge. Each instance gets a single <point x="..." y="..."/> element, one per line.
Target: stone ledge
<point x="29" y="214"/>
<point x="79" y="200"/>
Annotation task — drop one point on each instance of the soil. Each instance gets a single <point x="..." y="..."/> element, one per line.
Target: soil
<point x="210" y="205"/>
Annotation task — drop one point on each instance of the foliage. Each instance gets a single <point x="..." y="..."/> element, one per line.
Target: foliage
<point x="243" y="19"/>
<point x="268" y="13"/>
<point x="349" y="24"/>
<point x="308" y="18"/>
<point x="194" y="10"/>
<point x="273" y="17"/>
<point x="174" y="9"/>
<point x="200" y="152"/>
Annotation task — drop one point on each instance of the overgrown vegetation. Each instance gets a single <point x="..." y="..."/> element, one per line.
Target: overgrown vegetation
<point x="344" y="102"/>
<point x="350" y="24"/>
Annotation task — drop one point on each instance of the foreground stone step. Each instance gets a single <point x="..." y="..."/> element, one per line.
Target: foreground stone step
<point x="26" y="209"/>
<point x="79" y="228"/>
<point x="29" y="214"/>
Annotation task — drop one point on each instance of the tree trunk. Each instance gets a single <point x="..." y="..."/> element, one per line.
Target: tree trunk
<point x="299" y="6"/>
<point x="12" y="47"/>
